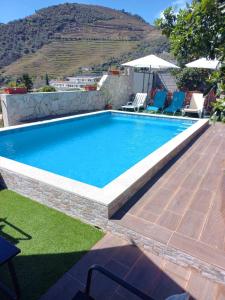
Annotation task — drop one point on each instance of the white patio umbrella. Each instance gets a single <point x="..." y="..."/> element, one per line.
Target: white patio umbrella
<point x="204" y="63"/>
<point x="150" y="62"/>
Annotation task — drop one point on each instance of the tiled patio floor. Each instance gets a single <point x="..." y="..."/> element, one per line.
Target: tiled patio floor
<point x="185" y="206"/>
<point x="153" y="275"/>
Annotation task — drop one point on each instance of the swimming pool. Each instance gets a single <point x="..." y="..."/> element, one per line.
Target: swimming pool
<point x="94" y="150"/>
<point x="102" y="156"/>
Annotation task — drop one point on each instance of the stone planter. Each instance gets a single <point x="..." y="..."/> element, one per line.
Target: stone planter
<point x="108" y="106"/>
<point x="114" y="72"/>
<point x="90" y="88"/>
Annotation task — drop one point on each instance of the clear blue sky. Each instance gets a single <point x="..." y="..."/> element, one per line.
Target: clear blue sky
<point x="148" y="9"/>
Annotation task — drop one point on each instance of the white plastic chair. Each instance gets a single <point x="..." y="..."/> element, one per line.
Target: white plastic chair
<point x="139" y="102"/>
<point x="196" y="105"/>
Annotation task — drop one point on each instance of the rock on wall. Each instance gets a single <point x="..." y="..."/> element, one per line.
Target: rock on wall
<point x="17" y="109"/>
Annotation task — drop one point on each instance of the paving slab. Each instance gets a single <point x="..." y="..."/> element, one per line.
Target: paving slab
<point x="155" y="276"/>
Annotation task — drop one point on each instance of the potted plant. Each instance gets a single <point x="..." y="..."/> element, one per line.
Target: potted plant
<point x="15" y="88"/>
<point x="107" y="98"/>
<point x="108" y="105"/>
<point x="114" y="71"/>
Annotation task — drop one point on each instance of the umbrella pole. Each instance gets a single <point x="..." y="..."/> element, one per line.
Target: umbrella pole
<point x="153" y="79"/>
<point x="143" y="86"/>
<point x="149" y="74"/>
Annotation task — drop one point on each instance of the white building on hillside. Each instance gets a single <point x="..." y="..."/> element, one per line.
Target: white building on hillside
<point x="75" y="83"/>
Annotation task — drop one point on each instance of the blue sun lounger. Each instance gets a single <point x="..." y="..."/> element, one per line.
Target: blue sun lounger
<point x="176" y="103"/>
<point x="158" y="101"/>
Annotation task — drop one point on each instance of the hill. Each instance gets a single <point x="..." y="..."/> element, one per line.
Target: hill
<point x="61" y="58"/>
<point x="60" y="39"/>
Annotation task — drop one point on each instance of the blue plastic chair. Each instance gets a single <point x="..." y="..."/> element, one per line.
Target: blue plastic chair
<point x="176" y="103"/>
<point x="158" y="101"/>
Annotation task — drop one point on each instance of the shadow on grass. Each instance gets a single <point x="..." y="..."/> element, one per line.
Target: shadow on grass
<point x="14" y="240"/>
<point x="37" y="273"/>
<point x="2" y="183"/>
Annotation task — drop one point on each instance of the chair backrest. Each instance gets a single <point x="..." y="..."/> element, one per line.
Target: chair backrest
<point x="178" y="99"/>
<point x="197" y="101"/>
<point x="139" y="99"/>
<point x="160" y="99"/>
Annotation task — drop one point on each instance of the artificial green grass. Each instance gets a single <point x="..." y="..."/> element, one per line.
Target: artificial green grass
<point x="50" y="241"/>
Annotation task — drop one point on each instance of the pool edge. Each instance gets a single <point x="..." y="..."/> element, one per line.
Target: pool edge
<point x="87" y="202"/>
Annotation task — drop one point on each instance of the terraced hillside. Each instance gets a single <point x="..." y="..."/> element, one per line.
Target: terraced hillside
<point x="61" y="38"/>
<point x="61" y="58"/>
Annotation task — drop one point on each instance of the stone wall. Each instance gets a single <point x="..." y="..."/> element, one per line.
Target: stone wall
<point x="20" y="108"/>
<point x="17" y="109"/>
<point x="70" y="203"/>
<point x="170" y="253"/>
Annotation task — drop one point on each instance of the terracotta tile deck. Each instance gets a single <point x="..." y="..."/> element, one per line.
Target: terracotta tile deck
<point x="184" y="207"/>
<point x="153" y="275"/>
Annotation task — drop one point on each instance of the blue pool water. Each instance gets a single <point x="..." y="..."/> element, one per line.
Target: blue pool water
<point x="94" y="149"/>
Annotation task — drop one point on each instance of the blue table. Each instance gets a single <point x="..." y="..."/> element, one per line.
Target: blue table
<point x="7" y="252"/>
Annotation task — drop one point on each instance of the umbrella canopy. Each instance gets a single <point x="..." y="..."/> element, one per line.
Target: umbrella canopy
<point x="204" y="63"/>
<point x="150" y="61"/>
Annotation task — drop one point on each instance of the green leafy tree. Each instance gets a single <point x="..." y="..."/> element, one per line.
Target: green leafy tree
<point x="218" y="78"/>
<point x="198" y="30"/>
<point x="27" y="81"/>
<point x="194" y="79"/>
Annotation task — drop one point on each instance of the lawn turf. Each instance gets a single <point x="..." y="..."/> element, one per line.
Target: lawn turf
<point x="51" y="242"/>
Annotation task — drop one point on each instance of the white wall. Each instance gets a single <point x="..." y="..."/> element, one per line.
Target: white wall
<point x="17" y="109"/>
<point x="20" y="108"/>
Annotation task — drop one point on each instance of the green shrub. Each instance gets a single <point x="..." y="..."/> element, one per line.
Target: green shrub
<point x="47" y="89"/>
<point x="219" y="109"/>
<point x="193" y="79"/>
<point x="218" y="79"/>
<point x="15" y="84"/>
